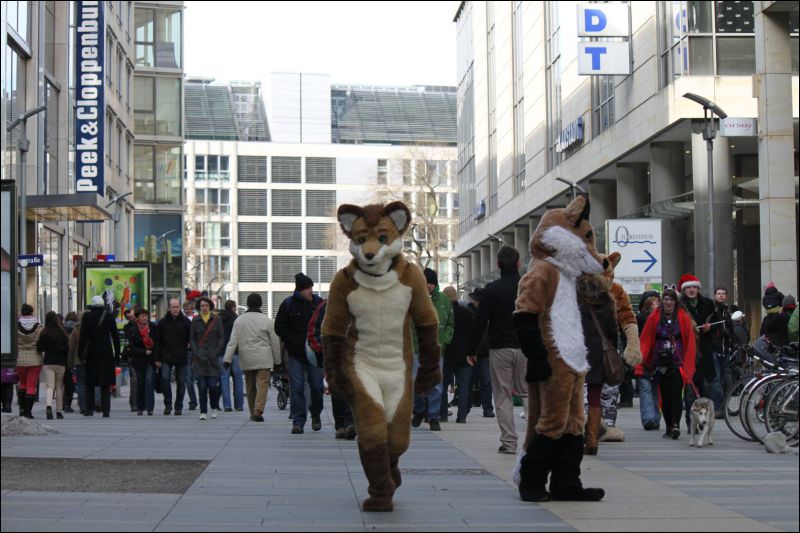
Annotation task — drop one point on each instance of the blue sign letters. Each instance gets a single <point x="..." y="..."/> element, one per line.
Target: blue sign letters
<point x="596" y="52"/>
<point x="90" y="110"/>
<point x="595" y="20"/>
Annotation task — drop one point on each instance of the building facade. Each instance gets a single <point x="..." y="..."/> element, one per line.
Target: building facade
<point x="262" y="208"/>
<point x="62" y="222"/>
<point x="529" y="125"/>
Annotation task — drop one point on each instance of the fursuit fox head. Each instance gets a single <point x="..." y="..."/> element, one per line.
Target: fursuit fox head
<point x="565" y="238"/>
<point x="375" y="232"/>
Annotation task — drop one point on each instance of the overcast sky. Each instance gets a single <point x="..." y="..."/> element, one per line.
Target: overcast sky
<point x="376" y="43"/>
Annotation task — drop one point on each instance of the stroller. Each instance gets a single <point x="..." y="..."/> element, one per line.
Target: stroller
<point x="280" y="381"/>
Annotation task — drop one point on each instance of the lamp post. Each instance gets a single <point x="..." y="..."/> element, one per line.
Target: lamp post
<point x="709" y="133"/>
<point x="459" y="266"/>
<point x="117" y="201"/>
<point x="164" y="265"/>
<point x="572" y="185"/>
<point x="23" y="145"/>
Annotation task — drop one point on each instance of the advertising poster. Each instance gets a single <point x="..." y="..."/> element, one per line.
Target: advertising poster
<point x="123" y="283"/>
<point x="8" y="305"/>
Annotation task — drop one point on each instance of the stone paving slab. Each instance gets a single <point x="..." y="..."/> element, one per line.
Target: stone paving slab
<point x="261" y="478"/>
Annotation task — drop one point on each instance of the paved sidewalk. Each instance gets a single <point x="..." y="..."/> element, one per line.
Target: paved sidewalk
<point x="262" y="478"/>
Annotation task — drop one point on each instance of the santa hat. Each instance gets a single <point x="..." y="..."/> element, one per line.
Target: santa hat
<point x="191" y="295"/>
<point x="689" y="280"/>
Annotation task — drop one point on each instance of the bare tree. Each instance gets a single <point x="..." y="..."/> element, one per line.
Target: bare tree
<point x="424" y="174"/>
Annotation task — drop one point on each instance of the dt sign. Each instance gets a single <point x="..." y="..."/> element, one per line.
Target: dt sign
<point x="604" y="57"/>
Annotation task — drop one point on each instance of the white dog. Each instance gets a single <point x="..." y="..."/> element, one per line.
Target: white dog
<point x="702" y="415"/>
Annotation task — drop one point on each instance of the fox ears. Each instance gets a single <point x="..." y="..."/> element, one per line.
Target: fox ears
<point x="614" y="258"/>
<point x="397" y="212"/>
<point x="670" y="287"/>
<point x="578" y="210"/>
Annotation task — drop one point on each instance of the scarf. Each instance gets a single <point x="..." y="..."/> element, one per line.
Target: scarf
<point x="205" y="317"/>
<point x="144" y="331"/>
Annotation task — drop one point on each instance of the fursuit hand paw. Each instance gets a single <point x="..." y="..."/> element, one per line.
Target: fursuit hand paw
<point x="538" y="370"/>
<point x="426" y="380"/>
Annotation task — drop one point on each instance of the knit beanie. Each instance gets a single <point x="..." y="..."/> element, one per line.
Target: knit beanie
<point x="789" y="302"/>
<point x="689" y="280"/>
<point x="301" y="281"/>
<point x="431" y="276"/>
<point x="772" y="298"/>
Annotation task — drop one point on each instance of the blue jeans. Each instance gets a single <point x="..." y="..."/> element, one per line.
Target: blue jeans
<point x="434" y="397"/>
<point x="190" y="382"/>
<point x="481" y="374"/>
<point x="238" y="384"/>
<point x="80" y="372"/>
<point x="462" y="374"/>
<point x="166" y="384"/>
<point x="718" y="385"/>
<point x="145" y="390"/>
<point x="298" y="371"/>
<point x="648" y="400"/>
<point x="208" y="387"/>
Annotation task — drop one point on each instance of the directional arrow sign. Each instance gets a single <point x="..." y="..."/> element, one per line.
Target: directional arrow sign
<point x="652" y="260"/>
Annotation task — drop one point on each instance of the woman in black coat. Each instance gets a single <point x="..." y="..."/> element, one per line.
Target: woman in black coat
<point x="53" y="341"/>
<point x="594" y="295"/>
<point x="98" y="349"/>
<point x="142" y="339"/>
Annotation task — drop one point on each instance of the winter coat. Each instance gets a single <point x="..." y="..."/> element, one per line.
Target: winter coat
<point x="776" y="327"/>
<point x="100" y="342"/>
<point x="205" y="362"/>
<point x="721" y="333"/>
<point x="72" y="355"/>
<point x="444" y="309"/>
<point x="138" y="351"/>
<point x="793" y="327"/>
<point x="27" y="338"/>
<point x="455" y="353"/>
<point x="688" y="342"/>
<point x="55" y="348"/>
<point x="497" y="309"/>
<point x="603" y="306"/>
<point x="228" y="318"/>
<point x="701" y="313"/>
<point x="173" y="339"/>
<point x="291" y="323"/>
<point x="483" y="346"/>
<point x="253" y="337"/>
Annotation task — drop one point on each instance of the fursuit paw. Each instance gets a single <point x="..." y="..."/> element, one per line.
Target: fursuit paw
<point x="427" y="380"/>
<point x="377" y="505"/>
<point x="538" y="370"/>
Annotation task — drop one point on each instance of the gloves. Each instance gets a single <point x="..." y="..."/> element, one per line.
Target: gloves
<point x="429" y="374"/>
<point x="530" y="340"/>
<point x="334" y="348"/>
<point x="632" y="353"/>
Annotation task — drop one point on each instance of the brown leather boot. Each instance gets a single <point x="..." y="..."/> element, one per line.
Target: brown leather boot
<point x="375" y="462"/>
<point x="592" y="430"/>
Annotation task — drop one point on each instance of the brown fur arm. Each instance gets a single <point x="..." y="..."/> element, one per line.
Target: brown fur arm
<point x="334" y="332"/>
<point x="537" y="288"/>
<point x="426" y="323"/>
<point x="627" y="321"/>
<point x="535" y="297"/>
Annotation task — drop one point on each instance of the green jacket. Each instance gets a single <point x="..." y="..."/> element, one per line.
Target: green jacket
<point x="444" y="308"/>
<point x="793" y="326"/>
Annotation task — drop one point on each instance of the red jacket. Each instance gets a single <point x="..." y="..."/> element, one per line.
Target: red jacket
<point x="688" y="339"/>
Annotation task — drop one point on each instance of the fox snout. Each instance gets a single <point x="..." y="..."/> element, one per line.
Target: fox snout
<point x="369" y="256"/>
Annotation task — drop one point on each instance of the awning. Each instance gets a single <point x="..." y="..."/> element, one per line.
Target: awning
<point x="80" y="207"/>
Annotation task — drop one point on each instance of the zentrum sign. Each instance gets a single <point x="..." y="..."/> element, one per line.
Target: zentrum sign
<point x="90" y="98"/>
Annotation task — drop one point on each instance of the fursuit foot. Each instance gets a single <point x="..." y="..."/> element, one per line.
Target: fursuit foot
<point x="377" y="505"/>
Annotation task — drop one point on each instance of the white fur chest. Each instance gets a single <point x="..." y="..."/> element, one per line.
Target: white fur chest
<point x="565" y="319"/>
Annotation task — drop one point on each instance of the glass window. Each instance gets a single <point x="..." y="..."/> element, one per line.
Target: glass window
<point x="144" y="106"/>
<point x="51" y="139"/>
<point x="736" y="56"/>
<point x="144" y="187"/>
<point x="19" y="18"/>
<point x="168" y="107"/>
<point x="144" y="34"/>
<point x="49" y="36"/>
<point x="699" y="16"/>
<point x="701" y="56"/>
<point x="158" y="175"/>
<point x="158" y="37"/>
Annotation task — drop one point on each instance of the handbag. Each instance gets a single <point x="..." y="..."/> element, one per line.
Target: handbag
<point x="157" y="388"/>
<point x="613" y="367"/>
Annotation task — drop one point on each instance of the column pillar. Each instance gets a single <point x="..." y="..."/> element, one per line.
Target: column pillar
<point x="778" y="214"/>
<point x="667" y="175"/>
<point x="631" y="188"/>
<point x="522" y="239"/>
<point x="475" y="261"/>
<point x="486" y="260"/>
<point x="603" y="198"/>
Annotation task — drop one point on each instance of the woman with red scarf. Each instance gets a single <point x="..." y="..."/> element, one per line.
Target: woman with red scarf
<point x="141" y="335"/>
<point x="668" y="347"/>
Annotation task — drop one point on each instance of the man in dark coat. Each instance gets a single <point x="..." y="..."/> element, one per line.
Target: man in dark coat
<point x="701" y="310"/>
<point x="98" y="349"/>
<point x="455" y="359"/>
<point x="173" y="340"/>
<point x="228" y="317"/>
<point x="291" y="325"/>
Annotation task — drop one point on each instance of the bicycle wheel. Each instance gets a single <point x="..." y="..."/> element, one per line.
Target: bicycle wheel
<point x="281" y="400"/>
<point x="781" y="411"/>
<point x="733" y="402"/>
<point x="753" y="412"/>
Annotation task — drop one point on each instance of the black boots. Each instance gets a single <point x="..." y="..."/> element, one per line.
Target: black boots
<point x="535" y="468"/>
<point x="565" y="482"/>
<point x="27" y="405"/>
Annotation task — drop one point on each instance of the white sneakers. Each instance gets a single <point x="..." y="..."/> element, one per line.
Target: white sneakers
<point x="213" y="413"/>
<point x="202" y="416"/>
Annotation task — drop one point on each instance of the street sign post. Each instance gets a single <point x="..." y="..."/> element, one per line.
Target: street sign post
<point x="639" y="243"/>
<point x="31" y="260"/>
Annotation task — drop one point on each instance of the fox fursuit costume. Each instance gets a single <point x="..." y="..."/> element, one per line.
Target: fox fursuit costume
<point x="548" y="323"/>
<point x="372" y="305"/>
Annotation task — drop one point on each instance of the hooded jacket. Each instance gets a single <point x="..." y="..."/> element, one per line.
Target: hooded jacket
<point x="28" y="332"/>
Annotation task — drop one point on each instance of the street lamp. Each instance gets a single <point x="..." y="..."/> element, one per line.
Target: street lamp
<point x="709" y="133"/>
<point x="459" y="266"/>
<point x="117" y="215"/>
<point x="23" y="144"/>
<point x="164" y="264"/>
<point x="498" y="239"/>
<point x="572" y="185"/>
